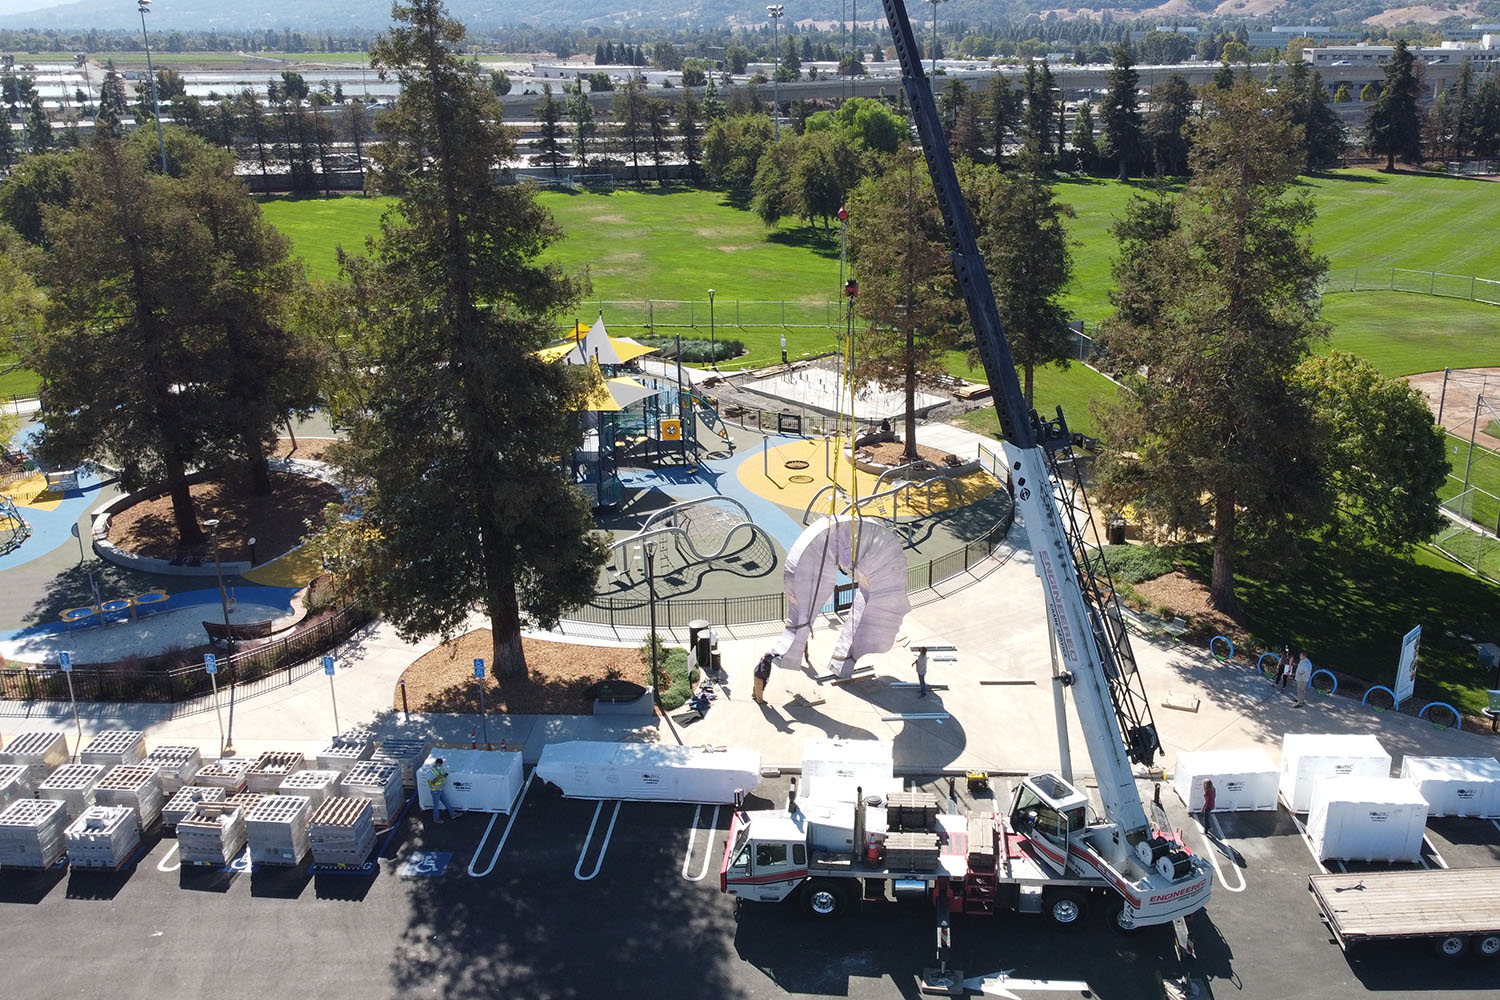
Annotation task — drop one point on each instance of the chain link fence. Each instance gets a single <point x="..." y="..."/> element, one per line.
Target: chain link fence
<point x="728" y="313"/>
<point x="1400" y="279"/>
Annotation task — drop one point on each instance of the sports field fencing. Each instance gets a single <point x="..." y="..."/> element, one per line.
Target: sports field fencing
<point x="1400" y="279"/>
<point x="727" y="313"/>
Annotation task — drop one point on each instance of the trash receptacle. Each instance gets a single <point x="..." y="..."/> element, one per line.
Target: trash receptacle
<point x="1117" y="531"/>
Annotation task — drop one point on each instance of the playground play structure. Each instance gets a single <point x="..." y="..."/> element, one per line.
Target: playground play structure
<point x="693" y="531"/>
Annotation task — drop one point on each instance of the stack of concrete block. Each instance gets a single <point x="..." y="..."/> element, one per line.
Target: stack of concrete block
<point x="185" y="798"/>
<point x="177" y="765"/>
<point x="317" y="786"/>
<point x="342" y="831"/>
<point x="410" y="754"/>
<point x="73" y="785"/>
<point x="39" y="753"/>
<point x="112" y="747"/>
<point x="912" y="851"/>
<point x="245" y="800"/>
<point x="31" y="833"/>
<point x="271" y="769"/>
<point x="277" y="829"/>
<point x="103" y="837"/>
<point x="380" y="782"/>
<point x="15" y="783"/>
<point x="137" y="786"/>
<point x="344" y="751"/>
<point x="212" y="833"/>
<point x="227" y="773"/>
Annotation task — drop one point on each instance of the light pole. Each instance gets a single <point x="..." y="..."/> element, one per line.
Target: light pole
<point x="713" y="354"/>
<point x="933" y="71"/>
<point x="161" y="143"/>
<point x="650" y="550"/>
<point x="212" y="524"/>
<point x="775" y="10"/>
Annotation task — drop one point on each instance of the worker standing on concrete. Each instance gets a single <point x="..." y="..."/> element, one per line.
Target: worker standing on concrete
<point x="1304" y="677"/>
<point x="436" y="776"/>
<point x="921" y="664"/>
<point x="762" y="674"/>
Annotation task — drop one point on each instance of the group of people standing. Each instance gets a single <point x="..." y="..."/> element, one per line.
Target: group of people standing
<point x="1294" y="666"/>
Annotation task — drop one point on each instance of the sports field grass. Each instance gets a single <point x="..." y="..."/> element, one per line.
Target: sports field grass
<point x="1402" y="333"/>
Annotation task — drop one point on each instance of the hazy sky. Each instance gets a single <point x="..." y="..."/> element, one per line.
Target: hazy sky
<point x="21" y="6"/>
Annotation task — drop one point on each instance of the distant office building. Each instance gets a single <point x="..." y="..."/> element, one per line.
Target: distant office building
<point x="1481" y="53"/>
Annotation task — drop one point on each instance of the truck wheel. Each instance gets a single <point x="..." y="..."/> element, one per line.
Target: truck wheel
<point x="1487" y="945"/>
<point x="1113" y="914"/>
<point x="824" y="898"/>
<point x="1451" y="945"/>
<point x="1064" y="908"/>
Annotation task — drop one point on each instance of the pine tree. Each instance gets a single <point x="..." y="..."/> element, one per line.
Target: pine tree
<point x="549" y="115"/>
<point x="1002" y="112"/>
<point x="38" y="128"/>
<point x="1395" y="129"/>
<point x="1121" y="116"/>
<point x="690" y="127"/>
<point x="1167" y="125"/>
<point x="1084" y="146"/>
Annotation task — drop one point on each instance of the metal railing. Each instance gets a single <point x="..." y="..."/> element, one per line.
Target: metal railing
<point x="1400" y="279"/>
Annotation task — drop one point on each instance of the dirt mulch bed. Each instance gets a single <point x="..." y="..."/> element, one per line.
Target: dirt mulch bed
<point x="560" y="673"/>
<point x="312" y="449"/>
<point x="275" y="521"/>
<point x="1188" y="598"/>
<point x="892" y="453"/>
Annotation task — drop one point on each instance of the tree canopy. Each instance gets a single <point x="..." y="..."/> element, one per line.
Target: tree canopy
<point x="1395" y="127"/>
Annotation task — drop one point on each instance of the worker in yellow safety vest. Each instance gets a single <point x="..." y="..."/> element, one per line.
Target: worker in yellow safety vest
<point x="436" y="777"/>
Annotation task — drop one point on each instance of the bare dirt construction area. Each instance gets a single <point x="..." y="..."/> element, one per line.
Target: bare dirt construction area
<point x="560" y="675"/>
<point x="1457" y="397"/>
<point x="276" y="522"/>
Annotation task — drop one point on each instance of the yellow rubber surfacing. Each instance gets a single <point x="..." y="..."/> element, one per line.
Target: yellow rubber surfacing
<point x="768" y="477"/>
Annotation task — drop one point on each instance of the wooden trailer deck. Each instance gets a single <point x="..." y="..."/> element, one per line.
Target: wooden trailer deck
<point x="1372" y="905"/>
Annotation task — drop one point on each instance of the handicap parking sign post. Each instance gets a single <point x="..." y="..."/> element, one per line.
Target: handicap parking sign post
<point x="65" y="663"/>
<point x="484" y="718"/>
<point x="211" y="665"/>
<point x="328" y="669"/>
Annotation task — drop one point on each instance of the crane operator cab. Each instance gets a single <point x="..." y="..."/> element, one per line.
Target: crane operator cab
<point x="1047" y="808"/>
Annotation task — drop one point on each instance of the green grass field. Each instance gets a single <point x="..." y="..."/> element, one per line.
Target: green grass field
<point x="1402" y="334"/>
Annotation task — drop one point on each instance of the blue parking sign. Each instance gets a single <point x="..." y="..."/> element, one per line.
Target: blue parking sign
<point x="65" y="661"/>
<point x="479" y="668"/>
<point x="210" y="663"/>
<point x="328" y="665"/>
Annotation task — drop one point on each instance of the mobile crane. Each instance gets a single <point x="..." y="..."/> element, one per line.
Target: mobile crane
<point x="1046" y="852"/>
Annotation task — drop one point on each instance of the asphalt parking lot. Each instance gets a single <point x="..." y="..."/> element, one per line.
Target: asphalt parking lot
<point x="631" y="911"/>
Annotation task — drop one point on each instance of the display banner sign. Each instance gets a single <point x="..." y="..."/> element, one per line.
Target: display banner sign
<point x="1406" y="673"/>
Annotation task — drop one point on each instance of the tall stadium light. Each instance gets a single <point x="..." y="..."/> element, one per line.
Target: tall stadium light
<point x="776" y="10"/>
<point x="933" y="71"/>
<point x="161" y="143"/>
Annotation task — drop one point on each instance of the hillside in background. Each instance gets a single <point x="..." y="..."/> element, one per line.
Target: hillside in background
<point x="205" y="15"/>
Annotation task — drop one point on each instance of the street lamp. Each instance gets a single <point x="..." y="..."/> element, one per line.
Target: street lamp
<point x="775" y="10"/>
<point x="713" y="354"/>
<point x="933" y="71"/>
<point x="161" y="144"/>
<point x="212" y="524"/>
<point x="650" y="550"/>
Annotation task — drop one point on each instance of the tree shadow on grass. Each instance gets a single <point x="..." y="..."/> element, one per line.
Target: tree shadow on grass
<point x="824" y="244"/>
<point x="1328" y="175"/>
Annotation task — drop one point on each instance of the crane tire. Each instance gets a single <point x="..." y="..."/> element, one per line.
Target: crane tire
<point x="824" y="898"/>
<point x="1064" y="908"/>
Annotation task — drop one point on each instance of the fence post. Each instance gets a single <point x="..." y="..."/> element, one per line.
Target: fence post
<point x="1471" y="288"/>
<point x="1431" y="281"/>
<point x="737" y="314"/>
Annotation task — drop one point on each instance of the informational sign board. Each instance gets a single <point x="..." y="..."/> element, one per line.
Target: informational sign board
<point x="1406" y="673"/>
<point x="65" y="661"/>
<point x="328" y="665"/>
<point x="210" y="663"/>
<point x="478" y="668"/>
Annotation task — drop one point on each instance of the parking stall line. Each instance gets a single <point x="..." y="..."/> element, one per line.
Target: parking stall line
<point x="1213" y="855"/>
<point x="162" y="865"/>
<point x="510" y="823"/>
<point x="588" y="839"/>
<point x="708" y="847"/>
<point x="1307" y="841"/>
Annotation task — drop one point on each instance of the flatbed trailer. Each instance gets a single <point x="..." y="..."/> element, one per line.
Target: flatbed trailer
<point x="1454" y="908"/>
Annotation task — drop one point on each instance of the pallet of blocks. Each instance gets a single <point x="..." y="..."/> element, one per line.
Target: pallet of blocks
<point x="409" y="754"/>
<point x="341" y="831"/>
<point x="245" y="800"/>
<point x="981" y="837"/>
<point x="379" y="782"/>
<point x="271" y="769"/>
<point x="103" y="837"/>
<point x="137" y="786"/>
<point x="227" y="773"/>
<point x="344" y="751"/>
<point x="211" y="833"/>
<point x="111" y="747"/>
<point x="913" y="812"/>
<point x="73" y="785"/>
<point x="15" y="783"/>
<point x="178" y="766"/>
<point x="317" y="786"/>
<point x="181" y="803"/>
<point x="276" y="827"/>
<point x="31" y="833"/>
<point x="916" y="852"/>
<point x="40" y="753"/>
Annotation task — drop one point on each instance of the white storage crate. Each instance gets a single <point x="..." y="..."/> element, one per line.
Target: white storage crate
<point x="643" y="772"/>
<point x="481" y="780"/>
<point x="1367" y="819"/>
<point x="833" y="769"/>
<point x="1244" y="780"/>
<point x="1456" y="786"/>
<point x="1307" y="758"/>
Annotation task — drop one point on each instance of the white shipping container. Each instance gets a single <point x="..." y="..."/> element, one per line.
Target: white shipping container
<point x="1367" y="819"/>
<point x="648" y="773"/>
<point x="1456" y="786"/>
<point x="478" y="780"/>
<point x="1306" y="758"/>
<point x="833" y="769"/>
<point x="1244" y="780"/>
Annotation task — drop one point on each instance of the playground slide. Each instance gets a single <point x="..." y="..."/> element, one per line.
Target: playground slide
<point x="878" y="562"/>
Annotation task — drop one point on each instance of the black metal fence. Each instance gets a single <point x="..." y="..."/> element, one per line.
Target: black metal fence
<point x="171" y="680"/>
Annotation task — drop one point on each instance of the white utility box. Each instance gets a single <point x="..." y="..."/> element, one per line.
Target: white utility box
<point x="1244" y="780"/>
<point x="646" y="772"/>
<point x="1307" y="758"/>
<point x="1367" y="819"/>
<point x="833" y="769"/>
<point x="478" y="780"/>
<point x="1456" y="786"/>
